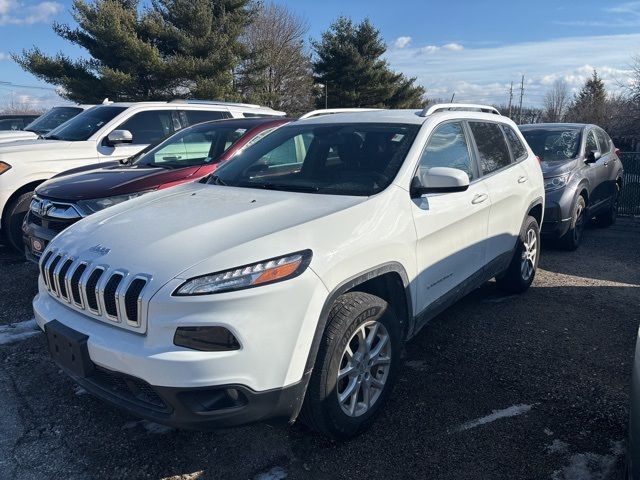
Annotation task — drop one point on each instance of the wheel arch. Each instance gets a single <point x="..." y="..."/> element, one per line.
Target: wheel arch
<point x="388" y="279"/>
<point x="23" y="189"/>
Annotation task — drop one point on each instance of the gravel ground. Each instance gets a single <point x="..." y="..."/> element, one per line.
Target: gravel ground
<point x="503" y="387"/>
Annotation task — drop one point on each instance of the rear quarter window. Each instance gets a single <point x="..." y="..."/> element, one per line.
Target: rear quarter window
<point x="492" y="146"/>
<point x="517" y="148"/>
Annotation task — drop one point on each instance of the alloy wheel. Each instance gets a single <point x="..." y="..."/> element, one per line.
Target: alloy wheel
<point x="364" y="368"/>
<point x="529" y="254"/>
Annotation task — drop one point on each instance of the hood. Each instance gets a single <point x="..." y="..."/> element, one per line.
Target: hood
<point x="40" y="149"/>
<point x="110" y="180"/>
<point x="553" y="169"/>
<point x="172" y="230"/>
<point x="15" y="135"/>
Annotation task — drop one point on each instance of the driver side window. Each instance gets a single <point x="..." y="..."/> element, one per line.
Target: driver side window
<point x="448" y="147"/>
<point x="592" y="146"/>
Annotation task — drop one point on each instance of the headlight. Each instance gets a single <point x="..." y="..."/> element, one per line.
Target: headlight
<point x="4" y="167"/>
<point x="556" y="183"/>
<point x="96" y="204"/>
<point x="248" y="276"/>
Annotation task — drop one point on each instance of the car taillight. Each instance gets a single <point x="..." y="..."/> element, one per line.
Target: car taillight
<point x="617" y="151"/>
<point x="539" y="161"/>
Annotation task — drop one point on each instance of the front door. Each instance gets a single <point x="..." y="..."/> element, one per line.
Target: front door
<point x="451" y="227"/>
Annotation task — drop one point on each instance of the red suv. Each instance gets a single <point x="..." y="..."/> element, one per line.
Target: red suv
<point x="186" y="156"/>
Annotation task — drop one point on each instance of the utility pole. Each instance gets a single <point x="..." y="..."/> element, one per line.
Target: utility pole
<point x="510" y="98"/>
<point x="521" y="96"/>
<point x="452" y="97"/>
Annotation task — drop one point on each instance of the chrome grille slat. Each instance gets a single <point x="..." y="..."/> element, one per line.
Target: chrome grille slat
<point x="109" y="294"/>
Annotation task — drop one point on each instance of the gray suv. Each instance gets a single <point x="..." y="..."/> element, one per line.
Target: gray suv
<point x="582" y="177"/>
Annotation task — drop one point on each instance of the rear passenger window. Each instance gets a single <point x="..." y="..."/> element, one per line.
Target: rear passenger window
<point x="149" y="127"/>
<point x="492" y="146"/>
<point x="517" y="148"/>
<point x="603" y="140"/>
<point x="448" y="147"/>
<point x="199" y="116"/>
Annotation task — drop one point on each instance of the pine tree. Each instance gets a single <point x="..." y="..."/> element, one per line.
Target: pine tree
<point x="348" y="63"/>
<point x="173" y="48"/>
<point x="590" y="104"/>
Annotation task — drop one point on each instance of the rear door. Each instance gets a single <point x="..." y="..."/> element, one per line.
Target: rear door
<point x="609" y="163"/>
<point x="451" y="227"/>
<point x="508" y="185"/>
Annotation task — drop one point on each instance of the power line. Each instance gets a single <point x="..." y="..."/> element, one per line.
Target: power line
<point x="17" y="85"/>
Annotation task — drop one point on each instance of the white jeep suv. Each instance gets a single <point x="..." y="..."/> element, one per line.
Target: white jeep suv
<point x="287" y="282"/>
<point x="108" y="132"/>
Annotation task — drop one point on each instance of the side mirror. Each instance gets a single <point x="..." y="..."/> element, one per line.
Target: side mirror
<point x="593" y="156"/>
<point x="118" y="137"/>
<point x="439" y="180"/>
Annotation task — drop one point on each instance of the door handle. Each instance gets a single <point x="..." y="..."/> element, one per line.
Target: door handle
<point x="481" y="197"/>
<point x="606" y="163"/>
<point x="522" y="179"/>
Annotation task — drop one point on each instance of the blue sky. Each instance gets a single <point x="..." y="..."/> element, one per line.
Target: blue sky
<point x="472" y="48"/>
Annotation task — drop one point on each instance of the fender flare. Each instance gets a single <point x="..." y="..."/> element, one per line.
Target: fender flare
<point x="349" y="284"/>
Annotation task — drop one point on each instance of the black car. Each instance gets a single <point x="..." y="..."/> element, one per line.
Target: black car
<point x="582" y="177"/>
<point x="16" y="122"/>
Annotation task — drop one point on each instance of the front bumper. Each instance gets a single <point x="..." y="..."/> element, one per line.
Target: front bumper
<point x="557" y="212"/>
<point x="274" y="325"/>
<point x="43" y="229"/>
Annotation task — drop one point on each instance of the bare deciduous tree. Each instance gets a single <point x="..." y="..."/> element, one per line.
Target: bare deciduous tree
<point x="556" y="101"/>
<point x="279" y="74"/>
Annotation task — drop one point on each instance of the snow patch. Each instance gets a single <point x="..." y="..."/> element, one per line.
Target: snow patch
<point x="512" y="411"/>
<point x="590" y="466"/>
<point x="558" y="446"/>
<point x="15" y="332"/>
<point x="79" y="390"/>
<point x="276" y="473"/>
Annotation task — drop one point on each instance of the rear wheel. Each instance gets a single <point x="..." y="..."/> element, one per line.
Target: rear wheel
<point x="12" y="223"/>
<point x="522" y="269"/>
<point x="572" y="239"/>
<point x="609" y="217"/>
<point x="356" y="366"/>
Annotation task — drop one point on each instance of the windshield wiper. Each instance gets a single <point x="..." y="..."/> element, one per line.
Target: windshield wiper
<point x="216" y="180"/>
<point x="284" y="187"/>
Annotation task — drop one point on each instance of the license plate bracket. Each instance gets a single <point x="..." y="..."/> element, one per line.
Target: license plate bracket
<point x="68" y="348"/>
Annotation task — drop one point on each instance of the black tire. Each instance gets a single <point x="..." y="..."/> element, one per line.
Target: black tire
<point x="608" y="218"/>
<point x="322" y="410"/>
<point x="12" y="222"/>
<point x="516" y="278"/>
<point x="572" y="239"/>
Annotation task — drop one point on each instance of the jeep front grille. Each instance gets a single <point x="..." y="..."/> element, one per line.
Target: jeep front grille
<point x="97" y="290"/>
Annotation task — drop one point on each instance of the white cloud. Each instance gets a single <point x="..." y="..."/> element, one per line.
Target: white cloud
<point x="14" y="13"/>
<point x="4" y="56"/>
<point x="402" y="42"/>
<point x="622" y="15"/>
<point x="430" y="49"/>
<point x="484" y="74"/>
<point x="455" y="47"/>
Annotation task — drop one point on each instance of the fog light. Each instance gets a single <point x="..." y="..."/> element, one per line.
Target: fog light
<point x="206" y="339"/>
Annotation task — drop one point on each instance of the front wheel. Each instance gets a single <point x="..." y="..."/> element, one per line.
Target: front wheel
<point x="12" y="224"/>
<point x="356" y="366"/>
<point x="519" y="275"/>
<point x="572" y="239"/>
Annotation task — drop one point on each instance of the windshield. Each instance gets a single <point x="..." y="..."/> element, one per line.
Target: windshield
<point x="194" y="146"/>
<point x="554" y="144"/>
<point x="337" y="158"/>
<point x="52" y="119"/>
<point x="82" y="126"/>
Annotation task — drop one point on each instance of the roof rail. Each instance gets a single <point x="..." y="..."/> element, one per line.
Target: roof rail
<point x="219" y="102"/>
<point x="331" y="111"/>
<point x="472" y="107"/>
